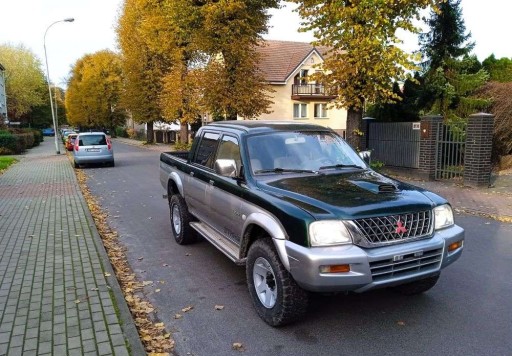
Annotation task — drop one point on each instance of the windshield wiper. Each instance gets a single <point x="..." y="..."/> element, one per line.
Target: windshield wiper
<point x="341" y="166"/>
<point x="285" y="170"/>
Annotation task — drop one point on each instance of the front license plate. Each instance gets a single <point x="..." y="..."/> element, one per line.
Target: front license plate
<point x="93" y="150"/>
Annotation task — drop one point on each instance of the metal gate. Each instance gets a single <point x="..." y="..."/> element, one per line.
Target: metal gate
<point x="450" y="149"/>
<point x="395" y="143"/>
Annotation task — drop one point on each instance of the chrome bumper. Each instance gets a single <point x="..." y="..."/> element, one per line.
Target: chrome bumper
<point x="373" y="268"/>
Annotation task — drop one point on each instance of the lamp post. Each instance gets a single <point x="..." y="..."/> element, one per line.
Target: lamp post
<point x="49" y="84"/>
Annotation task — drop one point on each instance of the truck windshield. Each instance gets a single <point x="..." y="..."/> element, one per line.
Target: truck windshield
<point x="302" y="151"/>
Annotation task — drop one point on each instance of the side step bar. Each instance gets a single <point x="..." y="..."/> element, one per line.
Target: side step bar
<point x="224" y="245"/>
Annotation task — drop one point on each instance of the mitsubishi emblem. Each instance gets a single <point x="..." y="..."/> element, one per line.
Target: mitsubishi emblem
<point x="400" y="228"/>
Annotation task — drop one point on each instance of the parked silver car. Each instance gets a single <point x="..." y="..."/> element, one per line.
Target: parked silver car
<point x="93" y="147"/>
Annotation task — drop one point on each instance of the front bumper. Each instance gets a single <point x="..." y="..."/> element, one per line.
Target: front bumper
<point x="372" y="268"/>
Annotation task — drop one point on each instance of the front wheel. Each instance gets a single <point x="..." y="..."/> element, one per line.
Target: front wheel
<point x="180" y="221"/>
<point x="276" y="296"/>
<point x="417" y="287"/>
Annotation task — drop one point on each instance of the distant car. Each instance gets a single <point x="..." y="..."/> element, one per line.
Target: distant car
<point x="65" y="134"/>
<point x="48" y="132"/>
<point x="70" y="141"/>
<point x="93" y="147"/>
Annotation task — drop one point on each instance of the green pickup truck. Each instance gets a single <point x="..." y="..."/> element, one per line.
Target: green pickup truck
<point x="304" y="213"/>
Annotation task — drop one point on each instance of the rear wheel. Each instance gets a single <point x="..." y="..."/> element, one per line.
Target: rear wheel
<point x="417" y="287"/>
<point x="180" y="221"/>
<point x="76" y="165"/>
<point x="276" y="296"/>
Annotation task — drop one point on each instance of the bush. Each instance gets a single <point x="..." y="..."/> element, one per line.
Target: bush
<point x="180" y="146"/>
<point x="26" y="140"/>
<point x="9" y="144"/>
<point x="121" y="132"/>
<point x="376" y="165"/>
<point x="131" y="133"/>
<point x="38" y="136"/>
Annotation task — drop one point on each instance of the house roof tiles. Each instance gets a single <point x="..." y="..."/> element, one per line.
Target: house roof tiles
<point x="279" y="59"/>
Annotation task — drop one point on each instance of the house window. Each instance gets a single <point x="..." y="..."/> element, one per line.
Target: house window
<point x="301" y="78"/>
<point x="320" y="111"/>
<point x="300" y="111"/>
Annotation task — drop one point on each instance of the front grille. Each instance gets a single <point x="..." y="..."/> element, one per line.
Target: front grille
<point x="392" y="229"/>
<point x="409" y="264"/>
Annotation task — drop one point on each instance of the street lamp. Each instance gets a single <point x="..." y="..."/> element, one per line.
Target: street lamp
<point x="49" y="86"/>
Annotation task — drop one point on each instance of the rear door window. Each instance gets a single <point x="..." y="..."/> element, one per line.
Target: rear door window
<point x="206" y="150"/>
<point x="92" y="140"/>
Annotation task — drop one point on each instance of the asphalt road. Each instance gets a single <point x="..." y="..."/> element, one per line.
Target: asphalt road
<point x="469" y="312"/>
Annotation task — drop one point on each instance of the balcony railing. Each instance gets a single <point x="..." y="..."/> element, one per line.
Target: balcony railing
<point x="302" y="91"/>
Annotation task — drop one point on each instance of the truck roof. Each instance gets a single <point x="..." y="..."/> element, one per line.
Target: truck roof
<point x="259" y="126"/>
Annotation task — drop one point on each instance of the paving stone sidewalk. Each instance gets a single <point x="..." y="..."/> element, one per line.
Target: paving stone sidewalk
<point x="58" y="293"/>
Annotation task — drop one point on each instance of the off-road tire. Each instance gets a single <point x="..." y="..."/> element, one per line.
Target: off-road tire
<point x="291" y="301"/>
<point x="180" y="221"/>
<point x="417" y="287"/>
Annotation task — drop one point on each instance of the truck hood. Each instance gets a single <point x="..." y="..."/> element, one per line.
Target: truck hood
<point x="350" y="194"/>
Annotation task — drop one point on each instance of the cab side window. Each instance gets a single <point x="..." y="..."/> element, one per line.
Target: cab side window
<point x="229" y="149"/>
<point x="206" y="151"/>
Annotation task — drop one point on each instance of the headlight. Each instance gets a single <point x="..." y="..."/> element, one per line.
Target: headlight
<point x="328" y="232"/>
<point x="443" y="216"/>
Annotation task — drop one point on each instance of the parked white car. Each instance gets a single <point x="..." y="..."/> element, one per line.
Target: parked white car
<point x="93" y="147"/>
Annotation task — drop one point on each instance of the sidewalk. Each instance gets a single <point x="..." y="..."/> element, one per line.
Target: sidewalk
<point x="58" y="293"/>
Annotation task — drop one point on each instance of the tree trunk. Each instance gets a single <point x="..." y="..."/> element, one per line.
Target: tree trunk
<point x="184" y="133"/>
<point x="354" y="128"/>
<point x="149" y="132"/>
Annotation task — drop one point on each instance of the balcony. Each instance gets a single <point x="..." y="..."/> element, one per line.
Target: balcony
<point x="310" y="91"/>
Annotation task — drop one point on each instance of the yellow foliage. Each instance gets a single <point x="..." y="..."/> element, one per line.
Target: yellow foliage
<point x="364" y="57"/>
<point x="94" y="89"/>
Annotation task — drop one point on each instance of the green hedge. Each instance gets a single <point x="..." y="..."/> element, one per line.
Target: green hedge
<point x="38" y="137"/>
<point x="10" y="144"/>
<point x="27" y="140"/>
<point x="19" y="140"/>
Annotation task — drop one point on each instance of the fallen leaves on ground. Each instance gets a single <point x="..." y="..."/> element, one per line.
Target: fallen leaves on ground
<point x="238" y="346"/>
<point x="156" y="341"/>
<point x="187" y="309"/>
<point x="219" y="307"/>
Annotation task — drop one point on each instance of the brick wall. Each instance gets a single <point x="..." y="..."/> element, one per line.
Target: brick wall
<point x="477" y="161"/>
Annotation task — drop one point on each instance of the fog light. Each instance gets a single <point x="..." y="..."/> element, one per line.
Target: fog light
<point x="454" y="246"/>
<point x="335" y="269"/>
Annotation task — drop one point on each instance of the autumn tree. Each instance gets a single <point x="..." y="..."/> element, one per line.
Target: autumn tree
<point x="144" y="64"/>
<point x="364" y="56"/>
<point x="94" y="89"/>
<point x="230" y="34"/>
<point x="24" y="80"/>
<point x="178" y="23"/>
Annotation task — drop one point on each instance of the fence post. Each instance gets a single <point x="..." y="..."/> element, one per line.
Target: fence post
<point x="428" y="136"/>
<point x="477" y="160"/>
<point x="366" y="131"/>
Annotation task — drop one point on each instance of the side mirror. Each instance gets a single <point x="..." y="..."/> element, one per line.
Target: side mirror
<point x="225" y="167"/>
<point x="366" y="156"/>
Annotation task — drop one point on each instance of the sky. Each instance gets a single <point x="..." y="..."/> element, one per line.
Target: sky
<point x="25" y="22"/>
